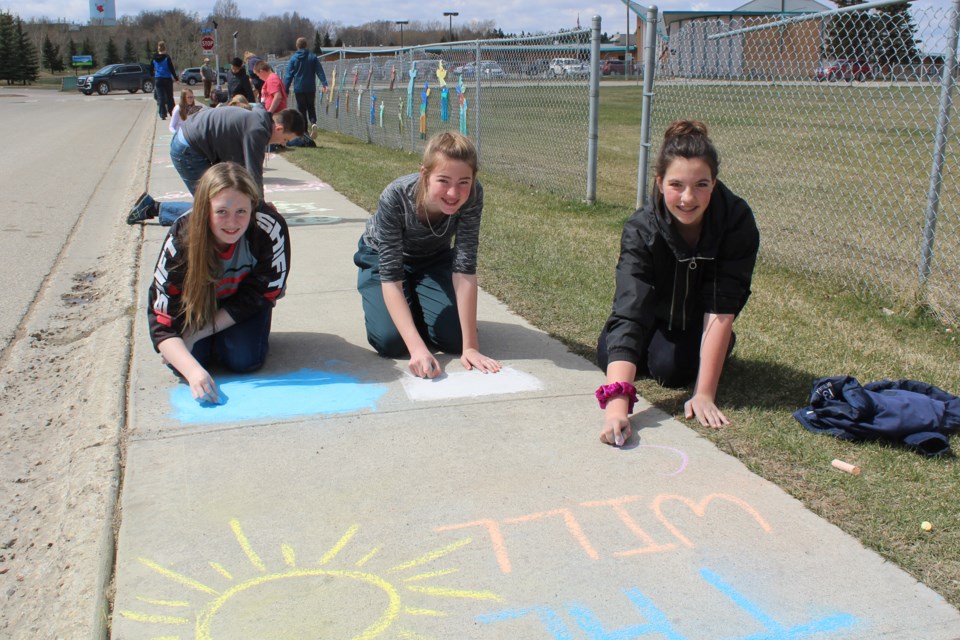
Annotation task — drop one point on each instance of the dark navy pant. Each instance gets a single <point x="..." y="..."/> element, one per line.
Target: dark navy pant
<point x="671" y="357"/>
<point x="241" y="348"/>
<point x="428" y="287"/>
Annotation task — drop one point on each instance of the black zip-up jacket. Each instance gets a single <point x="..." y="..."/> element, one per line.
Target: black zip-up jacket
<point x="659" y="277"/>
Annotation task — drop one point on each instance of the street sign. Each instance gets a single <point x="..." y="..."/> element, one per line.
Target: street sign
<point x="206" y="43"/>
<point x="81" y="61"/>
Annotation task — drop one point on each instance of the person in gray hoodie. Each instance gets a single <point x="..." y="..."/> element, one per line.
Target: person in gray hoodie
<point x="684" y="273"/>
<point x="303" y="71"/>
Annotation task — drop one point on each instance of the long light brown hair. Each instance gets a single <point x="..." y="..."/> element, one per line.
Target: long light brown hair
<point x="185" y="107"/>
<point x="204" y="266"/>
<point x="448" y="145"/>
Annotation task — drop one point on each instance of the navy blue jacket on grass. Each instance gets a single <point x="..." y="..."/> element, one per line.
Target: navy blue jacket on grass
<point x="916" y="414"/>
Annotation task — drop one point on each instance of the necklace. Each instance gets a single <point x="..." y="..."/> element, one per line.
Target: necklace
<point x="443" y="230"/>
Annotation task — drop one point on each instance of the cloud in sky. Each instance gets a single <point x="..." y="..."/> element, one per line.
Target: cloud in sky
<point x="512" y="16"/>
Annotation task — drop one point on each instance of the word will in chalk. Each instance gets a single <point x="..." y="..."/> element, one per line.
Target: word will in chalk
<point x="567" y="518"/>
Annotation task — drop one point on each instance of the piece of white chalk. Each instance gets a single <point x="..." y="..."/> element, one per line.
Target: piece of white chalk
<point x="846" y="466"/>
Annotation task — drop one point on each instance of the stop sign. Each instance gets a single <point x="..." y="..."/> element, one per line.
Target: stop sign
<point x="206" y="43"/>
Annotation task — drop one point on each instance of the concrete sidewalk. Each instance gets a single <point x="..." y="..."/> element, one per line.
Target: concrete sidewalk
<point x="335" y="496"/>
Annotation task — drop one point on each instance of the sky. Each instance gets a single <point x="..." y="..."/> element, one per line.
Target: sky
<point x="512" y="16"/>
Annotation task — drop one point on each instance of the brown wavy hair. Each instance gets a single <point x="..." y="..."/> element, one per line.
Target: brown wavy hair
<point x="185" y="107"/>
<point x="448" y="145"/>
<point x="685" y="139"/>
<point x="204" y="266"/>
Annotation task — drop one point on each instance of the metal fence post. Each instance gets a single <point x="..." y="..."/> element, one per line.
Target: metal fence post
<point x="594" y="110"/>
<point x="649" y="69"/>
<point x="939" y="147"/>
<point x="476" y="108"/>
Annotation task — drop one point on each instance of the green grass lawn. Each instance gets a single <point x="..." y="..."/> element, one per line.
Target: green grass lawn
<point x="552" y="260"/>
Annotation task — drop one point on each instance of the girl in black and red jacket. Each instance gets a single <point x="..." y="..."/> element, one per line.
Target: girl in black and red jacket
<point x="686" y="263"/>
<point x="221" y="270"/>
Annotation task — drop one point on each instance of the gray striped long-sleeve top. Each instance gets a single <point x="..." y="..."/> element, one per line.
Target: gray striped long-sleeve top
<point x="397" y="234"/>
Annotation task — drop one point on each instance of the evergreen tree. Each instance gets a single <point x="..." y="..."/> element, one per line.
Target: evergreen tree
<point x="148" y="50"/>
<point x="71" y="49"/>
<point x="113" y="55"/>
<point x="338" y="43"/>
<point x="895" y="41"/>
<point x="50" y="54"/>
<point x="327" y="42"/>
<point x="87" y="49"/>
<point x="317" y="43"/>
<point x="28" y="65"/>
<point x="129" y="55"/>
<point x="7" y="43"/>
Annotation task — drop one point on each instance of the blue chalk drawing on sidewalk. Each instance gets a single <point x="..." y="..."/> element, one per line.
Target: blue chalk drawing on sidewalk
<point x="301" y="393"/>
<point x="658" y="624"/>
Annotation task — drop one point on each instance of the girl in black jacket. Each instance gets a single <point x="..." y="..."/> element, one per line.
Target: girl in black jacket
<point x="686" y="262"/>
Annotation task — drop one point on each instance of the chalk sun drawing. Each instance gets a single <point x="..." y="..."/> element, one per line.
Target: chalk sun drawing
<point x="228" y="592"/>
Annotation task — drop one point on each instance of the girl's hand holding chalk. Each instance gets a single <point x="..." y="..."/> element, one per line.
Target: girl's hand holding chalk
<point x="424" y="365"/>
<point x="616" y="430"/>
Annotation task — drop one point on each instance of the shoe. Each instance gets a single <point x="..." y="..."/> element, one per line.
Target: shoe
<point x="143" y="209"/>
<point x="314" y="131"/>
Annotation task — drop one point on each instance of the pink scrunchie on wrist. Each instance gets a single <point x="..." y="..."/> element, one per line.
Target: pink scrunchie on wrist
<point x="607" y="391"/>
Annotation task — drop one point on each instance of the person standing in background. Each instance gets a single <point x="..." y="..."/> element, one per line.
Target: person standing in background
<point x="164" y="73"/>
<point x="208" y="75"/>
<point x="272" y="94"/>
<point x="303" y="68"/>
<point x="251" y="59"/>
<point x="238" y="84"/>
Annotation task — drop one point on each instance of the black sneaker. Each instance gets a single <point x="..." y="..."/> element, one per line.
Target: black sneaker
<point x="143" y="209"/>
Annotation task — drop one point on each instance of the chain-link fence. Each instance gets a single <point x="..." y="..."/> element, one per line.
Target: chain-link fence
<point x="835" y="129"/>
<point x="524" y="102"/>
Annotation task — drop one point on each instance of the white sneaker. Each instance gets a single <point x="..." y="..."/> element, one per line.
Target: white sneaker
<point x="314" y="131"/>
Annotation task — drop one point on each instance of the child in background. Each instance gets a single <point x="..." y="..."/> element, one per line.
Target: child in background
<point x="419" y="292"/>
<point x="220" y="272"/>
<point x="686" y="263"/>
<point x="184" y="109"/>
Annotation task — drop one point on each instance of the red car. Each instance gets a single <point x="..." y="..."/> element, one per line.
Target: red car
<point x="833" y="70"/>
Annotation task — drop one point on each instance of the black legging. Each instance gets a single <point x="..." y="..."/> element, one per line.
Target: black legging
<point x="671" y="357"/>
<point x="163" y="92"/>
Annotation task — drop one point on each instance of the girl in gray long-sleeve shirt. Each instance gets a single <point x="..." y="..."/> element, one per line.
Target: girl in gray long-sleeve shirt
<point x="417" y="289"/>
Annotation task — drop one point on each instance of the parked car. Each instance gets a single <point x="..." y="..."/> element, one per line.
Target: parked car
<point x="538" y="67"/>
<point x="401" y="67"/>
<point x="132" y="76"/>
<point x="833" y="70"/>
<point x="487" y="69"/>
<point x="568" y="67"/>
<point x="427" y="69"/>
<point x="191" y="76"/>
<point x="612" y="67"/>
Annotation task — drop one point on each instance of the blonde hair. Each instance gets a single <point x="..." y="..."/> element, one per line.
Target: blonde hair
<point x="204" y="266"/>
<point x="239" y="101"/>
<point x="442" y="147"/>
<point x="161" y="47"/>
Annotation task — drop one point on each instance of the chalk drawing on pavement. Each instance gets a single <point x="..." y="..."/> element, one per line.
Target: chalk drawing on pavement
<point x="304" y="392"/>
<point x="657" y="625"/>
<point x="469" y="384"/>
<point x="340" y="597"/>
<point x="566" y="519"/>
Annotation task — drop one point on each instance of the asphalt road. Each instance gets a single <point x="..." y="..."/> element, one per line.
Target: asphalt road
<point x="57" y="148"/>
